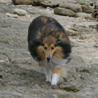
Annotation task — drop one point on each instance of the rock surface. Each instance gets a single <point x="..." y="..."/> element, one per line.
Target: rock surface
<point x="87" y="9"/>
<point x="20" y="76"/>
<point x="22" y="1"/>
<point x="71" y="6"/>
<point x="12" y="15"/>
<point x="20" y="12"/>
<point x="65" y="12"/>
<point x="6" y="1"/>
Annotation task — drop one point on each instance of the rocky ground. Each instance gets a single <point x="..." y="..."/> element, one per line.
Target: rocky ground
<point x="20" y="76"/>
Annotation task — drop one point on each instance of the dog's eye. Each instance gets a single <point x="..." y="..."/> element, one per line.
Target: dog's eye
<point x="52" y="47"/>
<point x="45" y="47"/>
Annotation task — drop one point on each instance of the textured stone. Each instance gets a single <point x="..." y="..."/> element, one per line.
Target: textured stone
<point x="6" y="1"/>
<point x="12" y="15"/>
<point x="21" y="1"/>
<point x="84" y="15"/>
<point x="64" y="12"/>
<point x="5" y="9"/>
<point x="20" y="12"/>
<point x="72" y="32"/>
<point x="71" y="6"/>
<point x="20" y="76"/>
<point x="87" y="9"/>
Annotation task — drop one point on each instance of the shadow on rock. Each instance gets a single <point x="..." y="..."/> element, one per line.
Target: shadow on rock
<point x="17" y="76"/>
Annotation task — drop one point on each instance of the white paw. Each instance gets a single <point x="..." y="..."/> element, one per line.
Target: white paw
<point x="55" y="79"/>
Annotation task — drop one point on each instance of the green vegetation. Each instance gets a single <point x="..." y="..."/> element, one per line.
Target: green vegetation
<point x="72" y="89"/>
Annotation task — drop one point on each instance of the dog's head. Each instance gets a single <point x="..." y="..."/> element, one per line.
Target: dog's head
<point x="53" y="47"/>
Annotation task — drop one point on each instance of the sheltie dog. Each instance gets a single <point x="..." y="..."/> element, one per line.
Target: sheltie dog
<point x="49" y="45"/>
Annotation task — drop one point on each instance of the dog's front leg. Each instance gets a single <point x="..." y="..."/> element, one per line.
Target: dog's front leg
<point x="55" y="76"/>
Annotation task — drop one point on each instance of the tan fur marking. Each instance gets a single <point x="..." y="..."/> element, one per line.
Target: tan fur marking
<point x="57" y="70"/>
<point x="40" y="64"/>
<point x="40" y="51"/>
<point x="58" y="53"/>
<point x="49" y="40"/>
<point x="52" y="46"/>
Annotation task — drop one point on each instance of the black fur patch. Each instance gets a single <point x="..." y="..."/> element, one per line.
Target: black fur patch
<point x="66" y="48"/>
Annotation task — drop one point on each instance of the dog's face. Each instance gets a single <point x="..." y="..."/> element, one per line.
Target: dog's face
<point x="50" y="49"/>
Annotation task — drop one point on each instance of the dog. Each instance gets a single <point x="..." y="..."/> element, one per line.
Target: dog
<point x="50" y="46"/>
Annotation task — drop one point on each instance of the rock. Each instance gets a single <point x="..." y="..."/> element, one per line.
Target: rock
<point x="64" y="12"/>
<point x="95" y="14"/>
<point x="80" y="62"/>
<point x="71" y="6"/>
<point x="50" y="3"/>
<point x="86" y="2"/>
<point x="20" y="12"/>
<point x="20" y="75"/>
<point x="84" y="15"/>
<point x="94" y="26"/>
<point x="21" y="1"/>
<point x="83" y="37"/>
<point x="68" y="87"/>
<point x="74" y="44"/>
<point x="71" y="32"/>
<point x="5" y="9"/>
<point x="12" y="15"/>
<point x="47" y="3"/>
<point x="96" y="45"/>
<point x="6" y="1"/>
<point x="87" y="9"/>
<point x="8" y="95"/>
<point x="22" y="61"/>
<point x="96" y="6"/>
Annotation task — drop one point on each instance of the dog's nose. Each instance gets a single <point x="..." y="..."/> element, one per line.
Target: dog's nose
<point x="48" y="59"/>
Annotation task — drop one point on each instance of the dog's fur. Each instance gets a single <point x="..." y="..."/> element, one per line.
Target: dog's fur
<point x="49" y="46"/>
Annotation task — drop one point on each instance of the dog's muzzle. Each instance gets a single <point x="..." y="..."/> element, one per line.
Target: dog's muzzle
<point x="48" y="59"/>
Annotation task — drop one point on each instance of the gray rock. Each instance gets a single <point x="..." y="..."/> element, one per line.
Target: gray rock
<point x="96" y="5"/>
<point x="84" y="15"/>
<point x="73" y="63"/>
<point x="22" y="1"/>
<point x="20" y="12"/>
<point x="20" y="76"/>
<point x="6" y="1"/>
<point x="64" y="12"/>
<point x="86" y="2"/>
<point x="12" y="15"/>
<point x="87" y="9"/>
<point x="95" y="60"/>
<point x="48" y="3"/>
<point x="71" y="32"/>
<point x="71" y="6"/>
<point x="68" y="96"/>
<point x="51" y="3"/>
<point x="5" y="9"/>
<point x="74" y="44"/>
<point x="96" y="45"/>
<point x="94" y="26"/>
<point x="95" y="14"/>
<point x="6" y="95"/>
